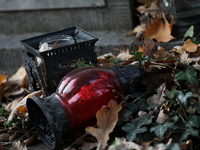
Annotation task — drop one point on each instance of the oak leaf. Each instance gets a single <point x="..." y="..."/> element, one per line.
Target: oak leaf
<point x="160" y="30"/>
<point x="107" y="118"/>
<point x="2" y="77"/>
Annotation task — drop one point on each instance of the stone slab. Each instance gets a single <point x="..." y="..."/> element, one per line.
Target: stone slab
<point x="19" y="5"/>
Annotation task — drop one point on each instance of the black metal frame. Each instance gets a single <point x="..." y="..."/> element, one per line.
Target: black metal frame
<point x="57" y="61"/>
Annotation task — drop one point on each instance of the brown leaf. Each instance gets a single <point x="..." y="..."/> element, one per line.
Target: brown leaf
<point x="13" y="137"/>
<point x="31" y="140"/>
<point x="158" y="99"/>
<point x="162" y="117"/>
<point x="189" y="46"/>
<point x="147" y="47"/>
<point x="186" y="146"/>
<point x="88" y="145"/>
<point x="4" y="137"/>
<point x="19" y="146"/>
<point x="23" y="103"/>
<point x="107" y="118"/>
<point x="160" y="30"/>
<point x="2" y="77"/>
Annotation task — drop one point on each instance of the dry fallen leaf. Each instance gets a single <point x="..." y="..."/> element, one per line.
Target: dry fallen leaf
<point x="158" y="99"/>
<point x="23" y="103"/>
<point x="189" y="46"/>
<point x="162" y="117"/>
<point x="19" y="146"/>
<point x="107" y="118"/>
<point x="184" y="59"/>
<point x="2" y="77"/>
<point x="186" y="146"/>
<point x="88" y="145"/>
<point x="147" y="47"/>
<point x="160" y="30"/>
<point x="196" y="66"/>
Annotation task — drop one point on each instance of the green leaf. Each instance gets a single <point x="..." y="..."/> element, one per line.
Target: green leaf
<point x="138" y="55"/>
<point x="91" y="65"/>
<point x="133" y="107"/>
<point x="80" y="64"/>
<point x="183" y="98"/>
<point x="175" y="118"/>
<point x="150" y="107"/>
<point x="144" y="121"/>
<point x="194" y="40"/>
<point x="190" y="75"/>
<point x="60" y="65"/>
<point x="173" y="92"/>
<point x="142" y="102"/>
<point x="126" y="115"/>
<point x="160" y="130"/>
<point x="197" y="106"/>
<point x="131" y="130"/>
<point x="2" y="110"/>
<point x="115" y="61"/>
<point x="189" y="131"/>
<point x="193" y="121"/>
<point x="174" y="146"/>
<point x="190" y="32"/>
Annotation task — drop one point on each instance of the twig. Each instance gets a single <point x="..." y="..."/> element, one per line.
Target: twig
<point x="26" y="133"/>
<point x="182" y="109"/>
<point x="84" y="135"/>
<point x="140" y="96"/>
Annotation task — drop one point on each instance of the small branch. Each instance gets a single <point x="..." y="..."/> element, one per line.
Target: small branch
<point x="182" y="109"/>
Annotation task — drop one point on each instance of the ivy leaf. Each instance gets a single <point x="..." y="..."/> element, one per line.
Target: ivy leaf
<point x="150" y="107"/>
<point x="194" y="121"/>
<point x="140" y="102"/>
<point x="144" y="121"/>
<point x="131" y="130"/>
<point x="189" y="131"/>
<point x="2" y="110"/>
<point x="174" y="146"/>
<point x="133" y="107"/>
<point x="173" y="92"/>
<point x="161" y="129"/>
<point x="80" y="64"/>
<point x="126" y="114"/>
<point x="197" y="106"/>
<point x="115" y="61"/>
<point x="138" y="55"/>
<point x="190" y="32"/>
<point x="175" y="118"/>
<point x="190" y="75"/>
<point x="183" y="98"/>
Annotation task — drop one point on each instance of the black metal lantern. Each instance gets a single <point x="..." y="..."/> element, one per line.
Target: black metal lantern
<point x="68" y="46"/>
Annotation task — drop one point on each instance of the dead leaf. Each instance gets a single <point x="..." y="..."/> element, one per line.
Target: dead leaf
<point x="123" y="144"/>
<point x="88" y="145"/>
<point x="22" y="109"/>
<point x="196" y="53"/>
<point x="196" y="66"/>
<point x="138" y="29"/>
<point x="184" y="59"/>
<point x="160" y="30"/>
<point x="23" y="103"/>
<point x="191" y="110"/>
<point x="189" y="46"/>
<point x="4" y="137"/>
<point x="19" y="146"/>
<point x="147" y="47"/>
<point x="186" y="146"/>
<point x="2" y="77"/>
<point x="107" y="118"/>
<point x="158" y="99"/>
<point x="31" y="140"/>
<point x="162" y="117"/>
